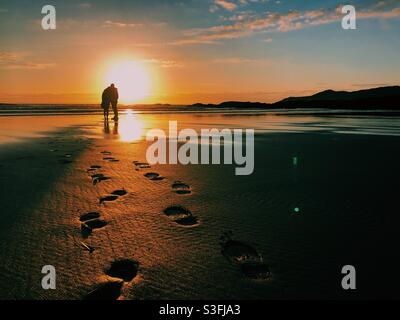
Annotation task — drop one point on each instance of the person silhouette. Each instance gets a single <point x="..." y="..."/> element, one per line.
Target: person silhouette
<point x="105" y="103"/>
<point x="110" y="96"/>
<point x="114" y="134"/>
<point x="106" y="126"/>
<point x="114" y="100"/>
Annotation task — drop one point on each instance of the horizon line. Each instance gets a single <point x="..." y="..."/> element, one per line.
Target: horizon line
<point x="179" y="104"/>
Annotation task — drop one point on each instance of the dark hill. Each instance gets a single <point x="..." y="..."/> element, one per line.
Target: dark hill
<point x="378" y="98"/>
<point x="385" y="98"/>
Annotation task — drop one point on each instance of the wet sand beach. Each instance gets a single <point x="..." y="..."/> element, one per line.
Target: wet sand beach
<point x="82" y="198"/>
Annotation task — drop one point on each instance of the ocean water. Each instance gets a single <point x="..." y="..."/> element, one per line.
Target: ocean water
<point x="17" y="122"/>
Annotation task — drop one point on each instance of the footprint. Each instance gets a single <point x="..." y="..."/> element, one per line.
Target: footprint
<point x="124" y="269"/>
<point x="181" y="188"/>
<point x="108" y="199"/>
<point x="121" y="192"/>
<point x="153" y="176"/>
<point x="110" y="159"/>
<point x="181" y="215"/>
<point x="106" y="291"/>
<point x="89" y="216"/>
<point x="96" y="178"/>
<point x="141" y="165"/>
<point x="177" y="211"/>
<point x="106" y="153"/>
<point x="114" y="195"/>
<point x="249" y="260"/>
<point x="95" y="167"/>
<point x="96" y="223"/>
<point x="88" y="226"/>
<point x="187" y="221"/>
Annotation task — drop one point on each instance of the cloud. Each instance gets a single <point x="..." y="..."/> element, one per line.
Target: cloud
<point x="118" y="24"/>
<point x="245" y="25"/>
<point x="183" y="42"/>
<point x="240" y="16"/>
<point x="268" y="40"/>
<point x="121" y="24"/>
<point x="384" y="4"/>
<point x="213" y="8"/>
<point x="168" y="64"/>
<point x="392" y="14"/>
<point x="15" y="61"/>
<point x="227" y="5"/>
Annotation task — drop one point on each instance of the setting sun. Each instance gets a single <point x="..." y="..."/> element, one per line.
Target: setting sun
<point x="132" y="80"/>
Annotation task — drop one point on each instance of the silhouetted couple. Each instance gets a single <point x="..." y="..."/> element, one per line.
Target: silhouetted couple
<point x="110" y="96"/>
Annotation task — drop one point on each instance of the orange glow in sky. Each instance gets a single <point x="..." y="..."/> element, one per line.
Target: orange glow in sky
<point x="162" y="52"/>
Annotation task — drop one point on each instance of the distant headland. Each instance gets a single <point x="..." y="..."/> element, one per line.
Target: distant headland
<point x="383" y="98"/>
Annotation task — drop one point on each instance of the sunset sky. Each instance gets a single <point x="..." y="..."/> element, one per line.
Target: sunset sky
<point x="195" y="50"/>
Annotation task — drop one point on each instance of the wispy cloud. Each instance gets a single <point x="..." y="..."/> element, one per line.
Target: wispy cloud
<point x="383" y="4"/>
<point x="126" y="24"/>
<point x="227" y="5"/>
<point x="119" y="24"/>
<point x="197" y="40"/>
<point x="391" y="14"/>
<point x="14" y="60"/>
<point x="168" y="64"/>
<point x="245" y="25"/>
<point x="268" y="40"/>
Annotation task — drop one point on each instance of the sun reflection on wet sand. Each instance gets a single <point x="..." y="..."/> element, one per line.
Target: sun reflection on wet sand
<point x="130" y="127"/>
